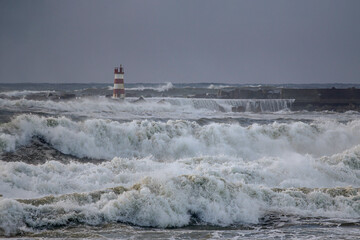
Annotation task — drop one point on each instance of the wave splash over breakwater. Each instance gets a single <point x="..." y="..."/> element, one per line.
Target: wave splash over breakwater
<point x="174" y="108"/>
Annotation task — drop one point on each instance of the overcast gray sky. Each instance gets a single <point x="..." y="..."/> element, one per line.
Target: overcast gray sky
<point x="256" y="41"/>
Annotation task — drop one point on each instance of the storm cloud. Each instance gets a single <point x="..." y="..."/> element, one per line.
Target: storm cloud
<point x="180" y="41"/>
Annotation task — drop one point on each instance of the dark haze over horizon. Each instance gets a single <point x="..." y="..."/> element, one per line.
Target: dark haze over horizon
<point x="268" y="42"/>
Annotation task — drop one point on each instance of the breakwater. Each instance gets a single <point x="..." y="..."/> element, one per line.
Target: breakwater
<point x="340" y="97"/>
<point x="332" y="99"/>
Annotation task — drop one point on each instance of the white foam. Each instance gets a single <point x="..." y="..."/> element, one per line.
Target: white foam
<point x="161" y="88"/>
<point x="220" y="190"/>
<point x="175" y="171"/>
<point x="23" y="93"/>
<point x="173" y="202"/>
<point x="174" y="108"/>
<point x="21" y="180"/>
<point x="96" y="138"/>
<point x="216" y="86"/>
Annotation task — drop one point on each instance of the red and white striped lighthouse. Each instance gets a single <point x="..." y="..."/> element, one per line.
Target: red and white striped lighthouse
<point x="119" y="90"/>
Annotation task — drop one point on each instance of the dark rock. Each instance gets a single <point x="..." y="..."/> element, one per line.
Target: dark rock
<point x="38" y="151"/>
<point x="67" y="96"/>
<point x="221" y="109"/>
<point x="128" y="94"/>
<point x="139" y="100"/>
<point x="37" y="96"/>
<point x="238" y="109"/>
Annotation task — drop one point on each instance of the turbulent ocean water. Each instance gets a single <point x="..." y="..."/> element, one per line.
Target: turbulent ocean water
<point x="168" y="166"/>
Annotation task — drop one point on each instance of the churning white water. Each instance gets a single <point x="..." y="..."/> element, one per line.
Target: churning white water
<point x="176" y="108"/>
<point x="159" y="164"/>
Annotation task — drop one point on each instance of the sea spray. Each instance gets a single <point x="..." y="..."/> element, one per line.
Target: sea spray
<point x="176" y="202"/>
<point x="264" y="174"/>
<point x="152" y="107"/>
<point x="159" y="88"/>
<point x="18" y="179"/>
<point x="106" y="139"/>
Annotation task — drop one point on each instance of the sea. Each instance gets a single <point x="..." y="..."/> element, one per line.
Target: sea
<point x="167" y="164"/>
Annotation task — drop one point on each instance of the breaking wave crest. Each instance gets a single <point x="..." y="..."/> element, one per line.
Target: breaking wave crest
<point x="160" y="88"/>
<point x="174" y="139"/>
<point x="176" y="202"/>
<point x="23" y="93"/>
<point x="217" y="86"/>
<point x="177" y="173"/>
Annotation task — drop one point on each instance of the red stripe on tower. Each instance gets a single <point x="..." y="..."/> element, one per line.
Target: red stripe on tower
<point x="119" y="89"/>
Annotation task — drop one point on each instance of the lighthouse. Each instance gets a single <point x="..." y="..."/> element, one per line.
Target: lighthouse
<point x="119" y="90"/>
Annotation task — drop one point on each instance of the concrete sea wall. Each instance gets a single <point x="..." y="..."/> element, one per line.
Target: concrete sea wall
<point x="305" y="99"/>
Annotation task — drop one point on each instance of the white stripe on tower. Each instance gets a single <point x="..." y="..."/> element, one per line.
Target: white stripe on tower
<point x="118" y="85"/>
<point x="119" y="89"/>
<point x="119" y="76"/>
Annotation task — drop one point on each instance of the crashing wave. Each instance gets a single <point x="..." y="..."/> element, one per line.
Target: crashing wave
<point x="161" y="88"/>
<point x="176" y="202"/>
<point x="174" y="139"/>
<point x="217" y="86"/>
<point x="175" y="108"/>
<point x="23" y="93"/>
